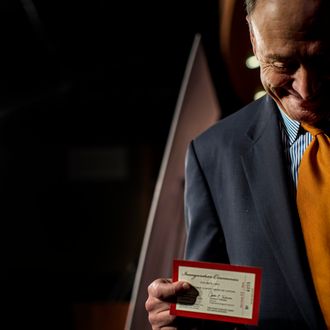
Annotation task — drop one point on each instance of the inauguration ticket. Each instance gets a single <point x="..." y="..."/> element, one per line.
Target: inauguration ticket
<point x="220" y="292"/>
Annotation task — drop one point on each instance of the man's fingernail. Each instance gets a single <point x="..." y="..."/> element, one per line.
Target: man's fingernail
<point x="186" y="285"/>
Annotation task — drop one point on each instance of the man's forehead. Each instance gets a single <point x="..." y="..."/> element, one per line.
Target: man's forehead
<point x="307" y="19"/>
<point x="302" y="10"/>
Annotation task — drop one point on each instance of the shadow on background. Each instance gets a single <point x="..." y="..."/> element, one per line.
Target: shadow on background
<point x="88" y="90"/>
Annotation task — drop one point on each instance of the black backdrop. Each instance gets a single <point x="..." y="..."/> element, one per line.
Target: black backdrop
<point x="87" y="94"/>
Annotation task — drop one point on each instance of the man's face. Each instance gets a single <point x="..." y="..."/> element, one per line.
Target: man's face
<point x="290" y="40"/>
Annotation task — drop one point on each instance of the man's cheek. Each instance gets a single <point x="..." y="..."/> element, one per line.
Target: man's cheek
<point x="275" y="80"/>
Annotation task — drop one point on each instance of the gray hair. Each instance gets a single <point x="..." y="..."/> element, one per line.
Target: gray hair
<point x="250" y="5"/>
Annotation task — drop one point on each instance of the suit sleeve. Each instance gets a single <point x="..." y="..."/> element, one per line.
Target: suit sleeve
<point x="205" y="240"/>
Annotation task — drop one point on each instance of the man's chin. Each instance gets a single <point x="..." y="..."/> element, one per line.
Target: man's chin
<point x="310" y="113"/>
<point x="310" y="117"/>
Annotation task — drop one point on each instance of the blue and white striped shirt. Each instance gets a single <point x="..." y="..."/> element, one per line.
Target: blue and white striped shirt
<point x="295" y="140"/>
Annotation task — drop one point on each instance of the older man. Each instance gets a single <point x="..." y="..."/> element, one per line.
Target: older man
<point x="258" y="182"/>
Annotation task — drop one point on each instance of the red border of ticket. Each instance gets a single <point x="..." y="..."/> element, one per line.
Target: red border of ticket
<point x="234" y="268"/>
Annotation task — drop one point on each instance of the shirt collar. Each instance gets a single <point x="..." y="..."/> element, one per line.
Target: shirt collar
<point x="291" y="126"/>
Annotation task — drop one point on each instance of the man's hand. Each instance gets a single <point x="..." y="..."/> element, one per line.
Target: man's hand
<point x="162" y="292"/>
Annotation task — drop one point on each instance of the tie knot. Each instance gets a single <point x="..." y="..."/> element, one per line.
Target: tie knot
<point x="311" y="129"/>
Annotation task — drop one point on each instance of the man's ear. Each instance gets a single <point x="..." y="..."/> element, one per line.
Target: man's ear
<point x="252" y="37"/>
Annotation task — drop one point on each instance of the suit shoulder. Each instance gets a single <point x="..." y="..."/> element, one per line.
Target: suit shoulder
<point x="231" y="127"/>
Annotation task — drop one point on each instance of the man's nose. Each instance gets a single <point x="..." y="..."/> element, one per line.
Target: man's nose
<point x="306" y="82"/>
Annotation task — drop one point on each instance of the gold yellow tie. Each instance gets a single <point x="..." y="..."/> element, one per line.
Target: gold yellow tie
<point x="313" y="201"/>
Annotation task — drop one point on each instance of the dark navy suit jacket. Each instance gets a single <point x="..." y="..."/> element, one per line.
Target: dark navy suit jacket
<point x="240" y="209"/>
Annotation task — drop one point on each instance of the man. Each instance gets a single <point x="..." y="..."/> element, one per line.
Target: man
<point x="242" y="176"/>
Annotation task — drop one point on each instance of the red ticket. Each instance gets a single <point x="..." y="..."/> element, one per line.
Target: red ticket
<point x="222" y="292"/>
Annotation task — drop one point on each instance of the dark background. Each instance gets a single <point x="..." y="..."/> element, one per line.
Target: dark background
<point x="87" y="94"/>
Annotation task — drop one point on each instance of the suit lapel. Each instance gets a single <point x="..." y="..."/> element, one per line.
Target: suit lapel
<point x="266" y="172"/>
